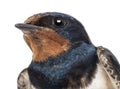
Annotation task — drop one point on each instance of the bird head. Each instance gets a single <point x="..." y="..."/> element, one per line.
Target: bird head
<point x="49" y="34"/>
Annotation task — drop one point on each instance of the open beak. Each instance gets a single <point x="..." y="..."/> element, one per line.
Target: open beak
<point x="27" y="27"/>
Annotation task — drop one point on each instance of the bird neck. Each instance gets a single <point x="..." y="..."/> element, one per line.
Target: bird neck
<point x="69" y="66"/>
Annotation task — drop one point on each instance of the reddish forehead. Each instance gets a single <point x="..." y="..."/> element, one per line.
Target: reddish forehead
<point x="33" y="19"/>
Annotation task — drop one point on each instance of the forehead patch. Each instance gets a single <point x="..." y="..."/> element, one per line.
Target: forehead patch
<point x="33" y="19"/>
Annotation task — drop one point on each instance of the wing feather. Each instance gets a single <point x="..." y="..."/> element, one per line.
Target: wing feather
<point x="23" y="81"/>
<point x="110" y="64"/>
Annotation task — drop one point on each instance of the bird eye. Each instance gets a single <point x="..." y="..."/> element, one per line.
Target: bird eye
<point x="59" y="22"/>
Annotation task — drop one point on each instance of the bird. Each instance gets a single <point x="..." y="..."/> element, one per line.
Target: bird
<point x="64" y="57"/>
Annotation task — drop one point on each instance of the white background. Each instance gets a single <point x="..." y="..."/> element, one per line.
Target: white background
<point x="101" y="19"/>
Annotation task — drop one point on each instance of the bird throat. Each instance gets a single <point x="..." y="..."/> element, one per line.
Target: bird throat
<point x="45" y="43"/>
<point x="58" y="71"/>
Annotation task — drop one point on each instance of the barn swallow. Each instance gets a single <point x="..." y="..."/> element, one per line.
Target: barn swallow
<point x="64" y="56"/>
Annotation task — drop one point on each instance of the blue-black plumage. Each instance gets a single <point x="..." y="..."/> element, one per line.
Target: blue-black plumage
<point x="64" y="56"/>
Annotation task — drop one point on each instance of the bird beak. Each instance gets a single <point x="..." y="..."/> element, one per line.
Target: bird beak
<point x="27" y="27"/>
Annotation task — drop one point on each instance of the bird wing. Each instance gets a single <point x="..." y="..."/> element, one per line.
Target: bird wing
<point x="110" y="65"/>
<point x="23" y="81"/>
